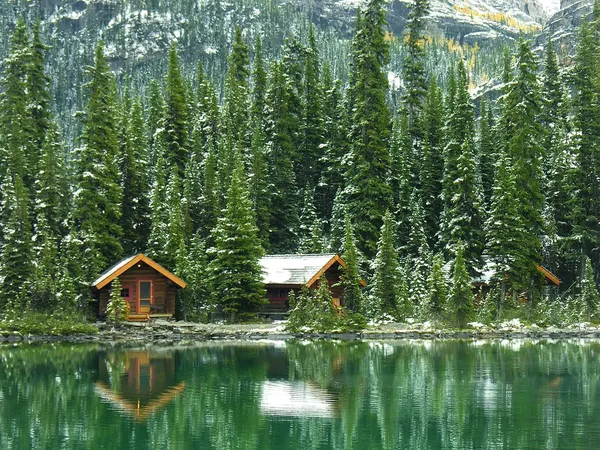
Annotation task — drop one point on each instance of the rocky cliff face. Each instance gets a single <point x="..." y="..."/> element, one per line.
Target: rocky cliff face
<point x="563" y="25"/>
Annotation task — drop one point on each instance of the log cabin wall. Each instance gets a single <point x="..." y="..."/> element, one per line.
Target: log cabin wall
<point x="163" y="290"/>
<point x="333" y="276"/>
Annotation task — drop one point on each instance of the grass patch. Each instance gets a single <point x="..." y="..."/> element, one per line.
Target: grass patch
<point x="56" y="324"/>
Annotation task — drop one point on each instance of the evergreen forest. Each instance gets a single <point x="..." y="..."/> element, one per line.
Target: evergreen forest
<point x="427" y="190"/>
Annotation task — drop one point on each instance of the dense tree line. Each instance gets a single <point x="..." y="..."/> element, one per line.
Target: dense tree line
<point x="420" y="200"/>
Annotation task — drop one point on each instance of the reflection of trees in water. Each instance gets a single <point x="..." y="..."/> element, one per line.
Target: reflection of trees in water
<point x="387" y="395"/>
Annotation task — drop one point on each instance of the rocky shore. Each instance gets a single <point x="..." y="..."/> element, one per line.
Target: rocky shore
<point x="164" y="332"/>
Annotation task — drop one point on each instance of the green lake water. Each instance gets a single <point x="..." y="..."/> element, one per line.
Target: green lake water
<point x="302" y="395"/>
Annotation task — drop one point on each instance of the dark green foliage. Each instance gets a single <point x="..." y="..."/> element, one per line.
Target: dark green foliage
<point x="352" y="296"/>
<point x="38" y="91"/>
<point x="464" y="219"/>
<point x="234" y="271"/>
<point x="367" y="191"/>
<point x="176" y="115"/>
<point x="401" y="178"/>
<point x="590" y="297"/>
<point x="280" y="157"/>
<point x="505" y="232"/>
<point x="135" y="215"/>
<point x="259" y="85"/>
<point x="337" y="223"/>
<point x="335" y="124"/>
<point x="415" y="78"/>
<point x="235" y="114"/>
<point x="487" y="152"/>
<point x="461" y="293"/>
<point x="310" y="150"/>
<point x="157" y="240"/>
<point x="116" y="310"/>
<point x="438" y="288"/>
<point x="175" y="239"/>
<point x="97" y="199"/>
<point x="259" y="186"/>
<point x="16" y="268"/>
<point x="459" y="135"/>
<point x="192" y="267"/>
<point x="524" y="135"/>
<point x="586" y="102"/>
<point x="52" y="185"/>
<point x="432" y="162"/>
<point x="385" y="280"/>
<point x="16" y="122"/>
<point x="310" y="230"/>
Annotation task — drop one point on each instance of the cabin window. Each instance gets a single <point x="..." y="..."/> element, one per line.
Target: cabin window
<point x="125" y="292"/>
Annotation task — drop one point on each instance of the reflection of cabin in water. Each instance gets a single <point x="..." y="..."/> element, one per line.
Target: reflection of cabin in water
<point x="149" y="288"/>
<point x="283" y="273"/>
<point x="138" y="382"/>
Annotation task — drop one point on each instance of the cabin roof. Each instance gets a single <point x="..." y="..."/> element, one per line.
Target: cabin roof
<point x="486" y="277"/>
<point x="127" y="263"/>
<point x="297" y="270"/>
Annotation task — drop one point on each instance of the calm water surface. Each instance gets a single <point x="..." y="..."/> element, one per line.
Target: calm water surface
<point x="302" y="395"/>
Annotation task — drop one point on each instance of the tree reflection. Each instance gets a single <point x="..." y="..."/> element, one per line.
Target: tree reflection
<point x="342" y="395"/>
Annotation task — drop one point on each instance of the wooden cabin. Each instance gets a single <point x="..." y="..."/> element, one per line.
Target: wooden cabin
<point x="149" y="288"/>
<point x="282" y="273"/>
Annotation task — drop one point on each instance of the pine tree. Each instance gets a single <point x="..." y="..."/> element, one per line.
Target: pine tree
<point x="505" y="233"/>
<point x="420" y="269"/>
<point x="336" y="143"/>
<point x="586" y="101"/>
<point x="237" y="92"/>
<point x="337" y="226"/>
<point x="176" y="237"/>
<point x="461" y="292"/>
<point x="487" y="152"/>
<point x="414" y="66"/>
<point x="235" y="273"/>
<point x="432" y="161"/>
<point x="385" y="280"/>
<point x="521" y="111"/>
<point x="16" y="268"/>
<point x="259" y="86"/>
<point x="116" y="310"/>
<point x="590" y="297"/>
<point x="194" y="271"/>
<point x="259" y="186"/>
<point x="157" y="240"/>
<point x="464" y="221"/>
<point x="135" y="216"/>
<point x="155" y="123"/>
<point x="350" y="279"/>
<point x="417" y="237"/>
<point x="15" y="120"/>
<point x="210" y="195"/>
<point x="438" y="289"/>
<point x="52" y="184"/>
<point x="176" y="115"/>
<point x="97" y="199"/>
<point x="44" y="288"/>
<point x="401" y="178"/>
<point x="312" y="121"/>
<point x="460" y="132"/>
<point x="280" y="156"/>
<point x="38" y="90"/>
<point x="309" y="231"/>
<point x="367" y="191"/>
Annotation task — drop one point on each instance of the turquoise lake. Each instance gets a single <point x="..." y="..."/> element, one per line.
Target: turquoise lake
<point x="302" y="395"/>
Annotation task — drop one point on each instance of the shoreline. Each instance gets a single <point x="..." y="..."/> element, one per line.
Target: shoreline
<point x="172" y="332"/>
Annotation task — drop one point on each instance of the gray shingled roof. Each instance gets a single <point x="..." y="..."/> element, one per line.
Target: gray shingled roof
<point x="292" y="269"/>
<point x="112" y="269"/>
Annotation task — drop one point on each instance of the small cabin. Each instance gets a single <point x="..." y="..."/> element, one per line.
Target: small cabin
<point x="149" y="288"/>
<point x="282" y="273"/>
